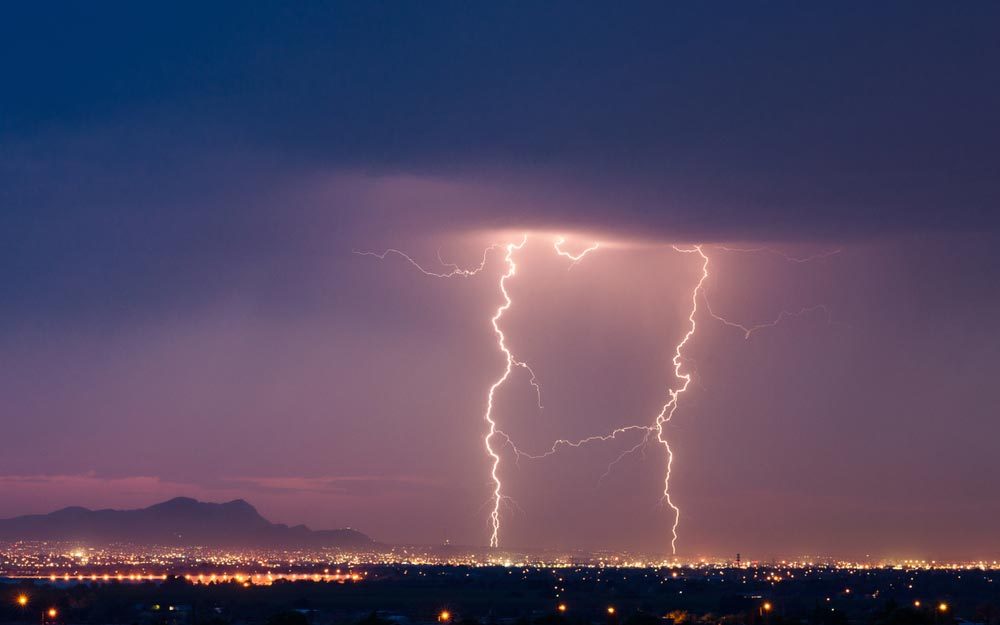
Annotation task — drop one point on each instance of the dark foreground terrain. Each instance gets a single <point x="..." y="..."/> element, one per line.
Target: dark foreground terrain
<point x="401" y="595"/>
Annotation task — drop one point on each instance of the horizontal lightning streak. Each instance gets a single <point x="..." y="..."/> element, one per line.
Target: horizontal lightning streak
<point x="562" y="442"/>
<point x="788" y="257"/>
<point x="748" y="330"/>
<point x="628" y="452"/>
<point x="603" y="438"/>
<point x="575" y="258"/>
<point x="456" y="271"/>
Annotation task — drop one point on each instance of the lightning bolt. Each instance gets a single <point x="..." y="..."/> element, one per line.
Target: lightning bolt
<point x="562" y="442"/>
<point x="748" y="330"/>
<point x="788" y="257"/>
<point x="575" y="258"/>
<point x="456" y="271"/>
<point x="669" y="408"/>
<point x="559" y="444"/>
<point x="511" y="362"/>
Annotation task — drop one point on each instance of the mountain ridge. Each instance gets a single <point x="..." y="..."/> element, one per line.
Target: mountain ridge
<point x="176" y="521"/>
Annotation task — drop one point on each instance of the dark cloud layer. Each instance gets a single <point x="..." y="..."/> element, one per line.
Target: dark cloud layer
<point x="146" y="146"/>
<point x="771" y="120"/>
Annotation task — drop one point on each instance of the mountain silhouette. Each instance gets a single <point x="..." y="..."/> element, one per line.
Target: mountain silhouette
<point x="179" y="521"/>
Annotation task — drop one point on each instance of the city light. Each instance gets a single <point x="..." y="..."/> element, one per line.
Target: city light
<point x="870" y="582"/>
<point x="52" y="613"/>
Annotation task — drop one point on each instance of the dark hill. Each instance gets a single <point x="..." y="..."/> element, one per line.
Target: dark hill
<point x="179" y="521"/>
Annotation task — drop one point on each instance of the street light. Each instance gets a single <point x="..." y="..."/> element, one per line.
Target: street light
<point x="444" y="616"/>
<point x="561" y="607"/>
<point x="767" y="606"/>
<point x="942" y="607"/>
<point x="22" y="600"/>
<point x="611" y="610"/>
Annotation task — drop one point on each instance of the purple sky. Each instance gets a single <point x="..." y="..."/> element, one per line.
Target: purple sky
<point x="182" y="313"/>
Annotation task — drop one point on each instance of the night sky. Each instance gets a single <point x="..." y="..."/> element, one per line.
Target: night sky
<point x="182" y="186"/>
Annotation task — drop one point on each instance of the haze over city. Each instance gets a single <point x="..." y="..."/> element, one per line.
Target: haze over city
<point x="183" y="312"/>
